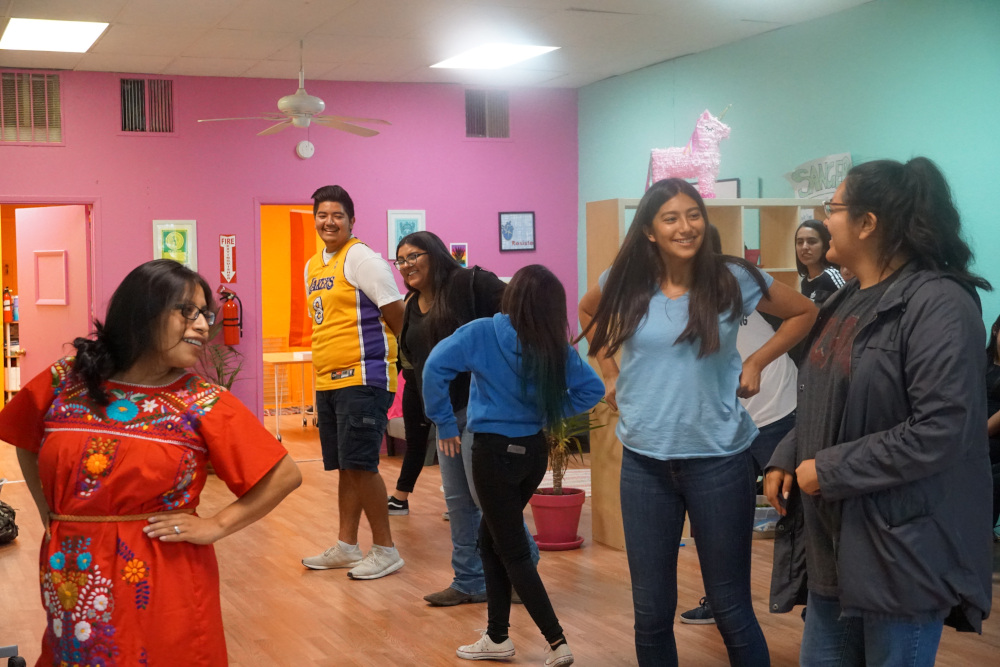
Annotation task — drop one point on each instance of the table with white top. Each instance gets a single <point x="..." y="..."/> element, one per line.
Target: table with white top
<point x="304" y="361"/>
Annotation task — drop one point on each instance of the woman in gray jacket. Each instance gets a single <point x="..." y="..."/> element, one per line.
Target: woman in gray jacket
<point x="890" y="447"/>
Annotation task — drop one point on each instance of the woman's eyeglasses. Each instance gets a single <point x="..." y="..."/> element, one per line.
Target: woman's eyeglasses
<point x="830" y="206"/>
<point x="408" y="260"/>
<point x="189" y="311"/>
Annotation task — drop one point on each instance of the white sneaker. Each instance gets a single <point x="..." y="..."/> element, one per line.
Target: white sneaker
<point x="339" y="555"/>
<point x="559" y="656"/>
<point x="486" y="649"/>
<point x="379" y="562"/>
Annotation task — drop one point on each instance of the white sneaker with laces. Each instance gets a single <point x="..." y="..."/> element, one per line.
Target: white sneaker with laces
<point x="486" y="649"/>
<point x="559" y="656"/>
<point x="379" y="562"/>
<point x="339" y="555"/>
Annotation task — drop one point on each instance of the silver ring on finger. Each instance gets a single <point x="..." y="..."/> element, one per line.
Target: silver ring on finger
<point x="177" y="530"/>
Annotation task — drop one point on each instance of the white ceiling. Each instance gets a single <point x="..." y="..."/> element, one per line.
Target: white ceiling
<point x="398" y="40"/>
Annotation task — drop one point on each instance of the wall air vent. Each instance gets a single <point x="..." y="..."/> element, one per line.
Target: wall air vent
<point x="147" y="105"/>
<point x="29" y="108"/>
<point x="487" y="114"/>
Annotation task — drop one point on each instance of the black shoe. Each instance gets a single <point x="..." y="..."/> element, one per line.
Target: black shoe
<point x="700" y="615"/>
<point x="398" y="507"/>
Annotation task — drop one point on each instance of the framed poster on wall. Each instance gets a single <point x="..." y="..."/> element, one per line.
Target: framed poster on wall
<point x="176" y="240"/>
<point x="460" y="253"/>
<point x="517" y="231"/>
<point x="402" y="223"/>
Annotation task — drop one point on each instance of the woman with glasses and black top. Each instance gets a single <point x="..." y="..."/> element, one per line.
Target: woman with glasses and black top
<point x="890" y="445"/>
<point x="442" y="297"/>
<point x="114" y="444"/>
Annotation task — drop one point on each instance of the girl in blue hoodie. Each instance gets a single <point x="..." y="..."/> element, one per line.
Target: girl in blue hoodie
<point x="525" y="376"/>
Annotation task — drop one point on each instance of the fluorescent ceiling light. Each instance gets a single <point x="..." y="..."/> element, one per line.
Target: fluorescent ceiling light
<point x="494" y="56"/>
<point x="43" y="35"/>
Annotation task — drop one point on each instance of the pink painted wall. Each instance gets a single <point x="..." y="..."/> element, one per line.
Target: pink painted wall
<point x="219" y="174"/>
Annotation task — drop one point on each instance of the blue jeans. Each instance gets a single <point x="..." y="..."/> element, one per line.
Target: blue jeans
<point x="464" y="517"/>
<point x="718" y="497"/>
<point x="833" y="640"/>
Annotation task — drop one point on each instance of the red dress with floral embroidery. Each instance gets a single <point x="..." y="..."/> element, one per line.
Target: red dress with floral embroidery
<point x="112" y="595"/>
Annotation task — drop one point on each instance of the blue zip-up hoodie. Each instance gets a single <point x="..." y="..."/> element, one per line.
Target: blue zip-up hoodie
<point x="488" y="348"/>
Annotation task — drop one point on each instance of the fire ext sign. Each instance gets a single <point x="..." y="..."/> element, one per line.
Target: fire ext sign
<point x="227" y="257"/>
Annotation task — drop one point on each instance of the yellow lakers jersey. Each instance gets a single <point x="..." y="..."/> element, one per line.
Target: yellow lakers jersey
<point x="351" y="344"/>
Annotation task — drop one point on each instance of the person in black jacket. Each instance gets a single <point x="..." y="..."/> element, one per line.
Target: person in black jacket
<point x="993" y="410"/>
<point x="444" y="296"/>
<point x="890" y="447"/>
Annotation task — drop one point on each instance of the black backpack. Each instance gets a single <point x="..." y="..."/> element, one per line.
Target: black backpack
<point x="8" y="529"/>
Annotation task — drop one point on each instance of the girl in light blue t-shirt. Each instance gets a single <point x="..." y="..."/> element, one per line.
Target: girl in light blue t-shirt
<point x="672" y="306"/>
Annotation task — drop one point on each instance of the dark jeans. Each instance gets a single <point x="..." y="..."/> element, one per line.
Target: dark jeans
<point x="718" y="497"/>
<point x="505" y="481"/>
<point x="833" y="640"/>
<point x="762" y="447"/>
<point x="995" y="465"/>
<point x="418" y="429"/>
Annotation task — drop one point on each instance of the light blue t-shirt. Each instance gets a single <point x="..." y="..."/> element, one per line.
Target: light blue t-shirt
<point x="672" y="404"/>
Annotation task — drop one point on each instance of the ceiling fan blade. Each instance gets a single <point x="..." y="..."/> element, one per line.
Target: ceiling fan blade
<point x="328" y="121"/>
<point x="212" y="120"/>
<point x="353" y="119"/>
<point x="275" y="128"/>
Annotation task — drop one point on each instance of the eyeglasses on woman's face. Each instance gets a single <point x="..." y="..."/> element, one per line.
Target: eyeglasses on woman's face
<point x="400" y="262"/>
<point x="829" y="207"/>
<point x="189" y="311"/>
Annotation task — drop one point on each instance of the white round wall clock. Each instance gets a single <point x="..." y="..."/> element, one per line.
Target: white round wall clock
<point x="304" y="149"/>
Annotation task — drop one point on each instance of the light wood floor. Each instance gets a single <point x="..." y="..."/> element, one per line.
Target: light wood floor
<point x="279" y="613"/>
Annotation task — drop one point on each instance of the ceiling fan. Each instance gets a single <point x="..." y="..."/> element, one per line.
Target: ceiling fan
<point x="301" y="109"/>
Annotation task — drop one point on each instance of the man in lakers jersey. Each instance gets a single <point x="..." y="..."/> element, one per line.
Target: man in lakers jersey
<point x="356" y="311"/>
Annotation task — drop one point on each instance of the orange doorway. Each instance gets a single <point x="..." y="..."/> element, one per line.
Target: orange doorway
<point x="287" y="240"/>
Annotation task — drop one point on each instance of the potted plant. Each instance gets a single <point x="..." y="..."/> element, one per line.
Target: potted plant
<point x="557" y="510"/>
<point x="219" y="362"/>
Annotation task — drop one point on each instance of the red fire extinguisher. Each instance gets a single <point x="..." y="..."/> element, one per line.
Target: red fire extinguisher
<point x="8" y="304"/>
<point x="232" y="316"/>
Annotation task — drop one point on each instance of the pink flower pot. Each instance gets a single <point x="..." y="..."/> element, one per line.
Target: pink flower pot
<point x="557" y="518"/>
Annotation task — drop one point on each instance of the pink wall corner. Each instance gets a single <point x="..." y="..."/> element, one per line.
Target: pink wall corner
<point x="220" y="173"/>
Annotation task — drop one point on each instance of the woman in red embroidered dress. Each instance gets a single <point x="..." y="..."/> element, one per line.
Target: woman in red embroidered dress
<point x="114" y="445"/>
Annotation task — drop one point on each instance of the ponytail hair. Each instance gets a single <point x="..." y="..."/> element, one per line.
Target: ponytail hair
<point x="535" y="301"/>
<point x="133" y="322"/>
<point x="916" y="215"/>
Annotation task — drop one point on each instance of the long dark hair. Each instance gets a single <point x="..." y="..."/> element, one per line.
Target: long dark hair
<point x="916" y="215"/>
<point x="133" y="322"/>
<point x="638" y="269"/>
<point x="535" y="300"/>
<point x="441" y="319"/>
<point x="991" y="347"/>
<point x="824" y="237"/>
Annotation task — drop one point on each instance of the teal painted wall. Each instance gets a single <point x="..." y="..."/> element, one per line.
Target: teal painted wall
<point x="888" y="79"/>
